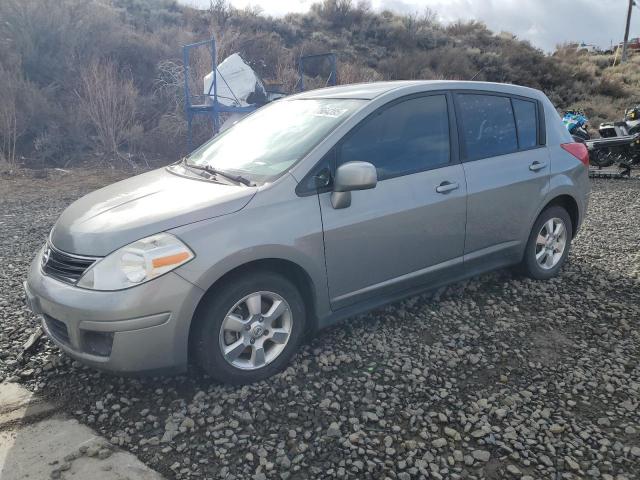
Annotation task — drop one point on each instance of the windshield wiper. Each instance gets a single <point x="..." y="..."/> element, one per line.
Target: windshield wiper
<point x="214" y="171"/>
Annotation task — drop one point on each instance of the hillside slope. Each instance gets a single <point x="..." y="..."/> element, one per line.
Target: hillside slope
<point x="102" y="79"/>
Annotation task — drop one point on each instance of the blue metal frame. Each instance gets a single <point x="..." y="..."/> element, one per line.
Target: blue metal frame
<point x="210" y="107"/>
<point x="332" y="80"/>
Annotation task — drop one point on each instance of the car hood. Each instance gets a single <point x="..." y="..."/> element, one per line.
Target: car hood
<point x="114" y="216"/>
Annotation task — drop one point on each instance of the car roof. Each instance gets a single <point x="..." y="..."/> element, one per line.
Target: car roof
<point x="369" y="91"/>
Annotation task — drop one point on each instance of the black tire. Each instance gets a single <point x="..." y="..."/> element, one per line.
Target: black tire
<point x="601" y="158"/>
<point x="580" y="135"/>
<point x="529" y="266"/>
<point x="210" y="315"/>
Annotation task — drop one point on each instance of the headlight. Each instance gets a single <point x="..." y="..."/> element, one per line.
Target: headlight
<point x="137" y="263"/>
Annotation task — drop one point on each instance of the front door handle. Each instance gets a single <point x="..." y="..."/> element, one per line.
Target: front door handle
<point x="535" y="166"/>
<point x="446" y="187"/>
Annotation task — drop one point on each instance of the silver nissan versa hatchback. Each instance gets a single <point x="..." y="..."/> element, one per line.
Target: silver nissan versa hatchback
<point x="312" y="209"/>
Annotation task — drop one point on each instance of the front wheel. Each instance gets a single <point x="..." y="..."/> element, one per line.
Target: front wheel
<point x="548" y="245"/>
<point x="249" y="328"/>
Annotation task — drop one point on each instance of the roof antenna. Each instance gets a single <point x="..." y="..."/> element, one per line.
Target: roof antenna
<point x="477" y="73"/>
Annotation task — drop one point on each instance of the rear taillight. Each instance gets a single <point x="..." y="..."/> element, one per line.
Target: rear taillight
<point x="578" y="150"/>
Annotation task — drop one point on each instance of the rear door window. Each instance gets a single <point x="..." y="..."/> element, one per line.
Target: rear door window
<point x="488" y="125"/>
<point x="527" y="123"/>
<point x="407" y="137"/>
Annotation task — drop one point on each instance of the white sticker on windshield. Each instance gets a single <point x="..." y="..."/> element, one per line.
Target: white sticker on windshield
<point x="330" y="111"/>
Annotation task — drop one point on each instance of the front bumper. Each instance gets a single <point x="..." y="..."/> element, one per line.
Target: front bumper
<point x="144" y="328"/>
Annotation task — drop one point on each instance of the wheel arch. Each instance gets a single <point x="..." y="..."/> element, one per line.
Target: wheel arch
<point x="570" y="204"/>
<point x="292" y="271"/>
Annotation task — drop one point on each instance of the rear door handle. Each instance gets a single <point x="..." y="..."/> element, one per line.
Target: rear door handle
<point x="446" y="187"/>
<point x="535" y="166"/>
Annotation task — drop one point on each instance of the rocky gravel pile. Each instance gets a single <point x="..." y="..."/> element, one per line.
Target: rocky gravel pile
<point x="498" y="377"/>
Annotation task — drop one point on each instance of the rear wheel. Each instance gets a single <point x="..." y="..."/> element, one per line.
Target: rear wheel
<point x="250" y="328"/>
<point x="548" y="245"/>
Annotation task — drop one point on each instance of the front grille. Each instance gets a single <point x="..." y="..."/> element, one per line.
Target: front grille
<point x="65" y="267"/>
<point x="57" y="329"/>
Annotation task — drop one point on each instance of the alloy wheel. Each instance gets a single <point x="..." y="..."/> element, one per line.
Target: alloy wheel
<point x="256" y="330"/>
<point x="551" y="243"/>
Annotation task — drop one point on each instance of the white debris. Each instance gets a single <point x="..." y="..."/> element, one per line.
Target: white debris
<point x="236" y="83"/>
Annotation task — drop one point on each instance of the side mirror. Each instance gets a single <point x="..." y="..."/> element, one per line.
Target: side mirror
<point x="349" y="177"/>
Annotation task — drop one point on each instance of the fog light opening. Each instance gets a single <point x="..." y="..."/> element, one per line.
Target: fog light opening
<point x="97" y="343"/>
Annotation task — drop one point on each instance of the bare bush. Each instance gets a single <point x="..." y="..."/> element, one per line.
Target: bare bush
<point x="228" y="42"/>
<point x="221" y="11"/>
<point x="167" y="137"/>
<point x="354" y="73"/>
<point x="285" y="72"/>
<point x="341" y="13"/>
<point x="108" y="99"/>
<point x="8" y="131"/>
<point x="612" y="87"/>
<point x="12" y="118"/>
<point x="169" y="84"/>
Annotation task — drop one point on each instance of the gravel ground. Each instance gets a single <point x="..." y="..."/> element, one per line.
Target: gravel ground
<point x="498" y="377"/>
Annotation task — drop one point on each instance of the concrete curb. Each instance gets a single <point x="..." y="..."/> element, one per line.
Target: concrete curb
<point x="37" y="443"/>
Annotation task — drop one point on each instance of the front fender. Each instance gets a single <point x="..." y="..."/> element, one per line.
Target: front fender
<point x="289" y="230"/>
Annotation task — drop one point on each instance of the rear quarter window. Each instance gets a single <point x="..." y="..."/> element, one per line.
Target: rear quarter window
<point x="527" y="122"/>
